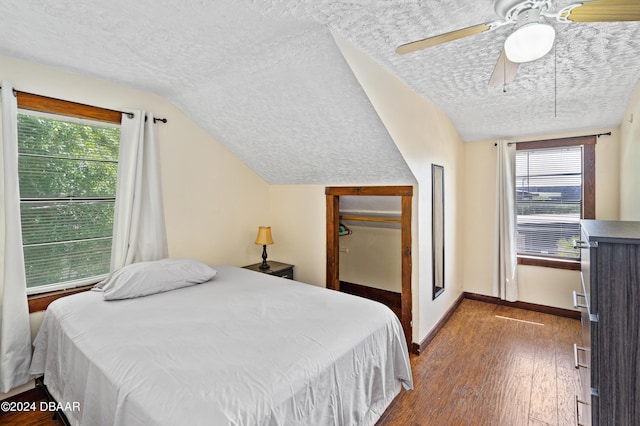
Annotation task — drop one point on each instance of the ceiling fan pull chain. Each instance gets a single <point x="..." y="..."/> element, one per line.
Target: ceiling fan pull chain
<point x="555" y="81"/>
<point x="504" y="74"/>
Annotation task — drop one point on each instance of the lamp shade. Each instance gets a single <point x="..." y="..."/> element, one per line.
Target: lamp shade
<point x="264" y="236"/>
<point x="529" y="42"/>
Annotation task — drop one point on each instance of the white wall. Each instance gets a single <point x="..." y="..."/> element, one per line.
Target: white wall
<point x="298" y="225"/>
<point x="544" y="286"/>
<point x="630" y="159"/>
<point x="372" y="256"/>
<point x="424" y="135"/>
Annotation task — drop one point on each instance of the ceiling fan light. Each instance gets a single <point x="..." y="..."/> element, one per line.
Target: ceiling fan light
<point x="529" y="42"/>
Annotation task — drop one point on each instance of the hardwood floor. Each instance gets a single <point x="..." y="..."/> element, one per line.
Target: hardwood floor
<point x="30" y="417"/>
<point x="493" y="365"/>
<point x="489" y="365"/>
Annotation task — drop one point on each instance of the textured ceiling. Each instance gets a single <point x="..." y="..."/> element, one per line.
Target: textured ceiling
<point x="266" y="79"/>
<point x="585" y="83"/>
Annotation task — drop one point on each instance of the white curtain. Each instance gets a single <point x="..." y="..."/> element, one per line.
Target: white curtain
<point x="505" y="273"/>
<point x="139" y="232"/>
<point x="15" y="331"/>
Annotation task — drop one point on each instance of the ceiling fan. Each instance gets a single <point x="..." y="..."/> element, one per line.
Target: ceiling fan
<point x="534" y="36"/>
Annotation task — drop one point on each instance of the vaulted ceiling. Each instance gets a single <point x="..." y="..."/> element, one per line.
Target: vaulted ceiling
<point x="266" y="79"/>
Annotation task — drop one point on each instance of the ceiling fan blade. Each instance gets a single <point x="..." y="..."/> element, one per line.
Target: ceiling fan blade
<point x="604" y="11"/>
<point x="442" y="38"/>
<point x="504" y="72"/>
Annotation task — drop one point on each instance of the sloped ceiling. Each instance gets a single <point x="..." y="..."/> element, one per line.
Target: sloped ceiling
<point x="275" y="90"/>
<point x="266" y="79"/>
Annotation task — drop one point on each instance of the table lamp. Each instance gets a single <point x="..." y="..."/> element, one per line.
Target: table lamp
<point x="264" y="238"/>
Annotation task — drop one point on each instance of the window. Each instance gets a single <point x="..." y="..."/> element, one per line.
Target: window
<point x="554" y="190"/>
<point x="67" y="170"/>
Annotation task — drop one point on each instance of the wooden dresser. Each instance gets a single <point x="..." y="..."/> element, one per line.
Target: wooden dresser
<point x="609" y="357"/>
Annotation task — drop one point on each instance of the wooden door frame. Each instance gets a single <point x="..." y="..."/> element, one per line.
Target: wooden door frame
<point x="333" y="194"/>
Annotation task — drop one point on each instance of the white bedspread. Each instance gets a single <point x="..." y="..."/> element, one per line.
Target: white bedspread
<point x="243" y="349"/>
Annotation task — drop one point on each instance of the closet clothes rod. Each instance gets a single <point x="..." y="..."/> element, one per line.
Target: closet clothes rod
<point x="370" y="219"/>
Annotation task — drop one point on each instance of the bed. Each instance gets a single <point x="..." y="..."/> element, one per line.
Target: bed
<point x="243" y="348"/>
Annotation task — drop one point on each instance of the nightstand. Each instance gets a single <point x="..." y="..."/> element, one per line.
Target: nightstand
<point x="277" y="269"/>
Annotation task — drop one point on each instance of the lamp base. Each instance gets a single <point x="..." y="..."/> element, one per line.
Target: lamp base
<point x="264" y="264"/>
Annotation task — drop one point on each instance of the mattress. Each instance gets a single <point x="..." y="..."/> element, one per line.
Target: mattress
<point x="245" y="348"/>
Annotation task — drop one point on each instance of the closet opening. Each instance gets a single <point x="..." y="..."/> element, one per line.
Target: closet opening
<point x="386" y="213"/>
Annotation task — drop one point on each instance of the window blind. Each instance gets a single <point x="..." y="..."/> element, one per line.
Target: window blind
<point x="549" y="201"/>
<point x="67" y="172"/>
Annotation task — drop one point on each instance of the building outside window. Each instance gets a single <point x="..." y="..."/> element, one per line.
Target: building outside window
<point x="554" y="191"/>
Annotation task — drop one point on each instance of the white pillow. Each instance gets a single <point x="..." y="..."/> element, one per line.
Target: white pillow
<point x="144" y="278"/>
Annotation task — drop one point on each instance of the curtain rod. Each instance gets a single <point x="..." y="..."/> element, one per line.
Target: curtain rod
<point x="131" y="115"/>
<point x="570" y="137"/>
<point x="128" y="114"/>
<point x="155" y="120"/>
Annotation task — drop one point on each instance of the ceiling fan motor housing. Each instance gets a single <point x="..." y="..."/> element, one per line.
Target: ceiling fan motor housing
<point x="528" y="16"/>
